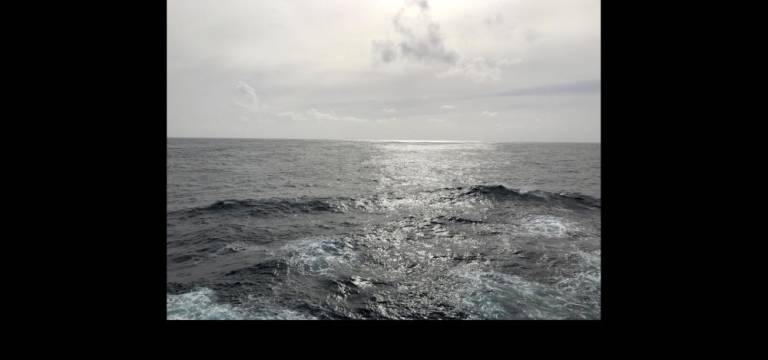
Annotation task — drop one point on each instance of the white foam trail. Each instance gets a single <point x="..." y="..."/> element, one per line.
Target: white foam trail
<point x="200" y="305"/>
<point x="488" y="294"/>
<point x="493" y="295"/>
<point x="586" y="281"/>
<point x="318" y="256"/>
<point x="546" y="225"/>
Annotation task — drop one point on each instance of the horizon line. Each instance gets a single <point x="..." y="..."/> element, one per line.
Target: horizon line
<point x="385" y="140"/>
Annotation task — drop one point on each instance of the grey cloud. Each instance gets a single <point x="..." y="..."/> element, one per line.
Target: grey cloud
<point x="496" y="20"/>
<point x="478" y="69"/>
<point x="590" y="86"/>
<point x="423" y="4"/>
<point x="405" y="104"/>
<point x="384" y="51"/>
<point x="531" y="35"/>
<point x="420" y="39"/>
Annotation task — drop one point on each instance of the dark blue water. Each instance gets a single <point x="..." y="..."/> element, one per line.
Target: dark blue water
<point x="305" y="229"/>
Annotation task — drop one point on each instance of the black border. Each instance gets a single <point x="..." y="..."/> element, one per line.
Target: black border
<point x="136" y="133"/>
<point x="93" y="144"/>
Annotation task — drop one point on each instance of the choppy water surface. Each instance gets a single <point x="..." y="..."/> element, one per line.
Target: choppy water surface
<point x="301" y="229"/>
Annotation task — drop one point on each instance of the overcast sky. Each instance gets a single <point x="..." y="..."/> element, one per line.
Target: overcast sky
<point x="489" y="70"/>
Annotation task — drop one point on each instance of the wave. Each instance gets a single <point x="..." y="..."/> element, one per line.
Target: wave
<point x="500" y="192"/>
<point x="265" y="207"/>
<point x="383" y="203"/>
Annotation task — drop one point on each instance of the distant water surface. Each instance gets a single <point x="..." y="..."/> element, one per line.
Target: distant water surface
<point x="313" y="229"/>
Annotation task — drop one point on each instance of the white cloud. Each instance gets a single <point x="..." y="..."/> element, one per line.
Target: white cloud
<point x="389" y="110"/>
<point x="489" y="114"/>
<point x="447" y="107"/>
<point x="479" y="69"/>
<point x="297" y="116"/>
<point x="318" y="115"/>
<point x="248" y="98"/>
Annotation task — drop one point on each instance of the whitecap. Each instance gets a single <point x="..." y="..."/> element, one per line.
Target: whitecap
<point x="546" y="225"/>
<point x="199" y="305"/>
<point x="487" y="294"/>
<point x="318" y="256"/>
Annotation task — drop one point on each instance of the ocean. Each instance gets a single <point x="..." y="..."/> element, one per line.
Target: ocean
<point x="327" y="229"/>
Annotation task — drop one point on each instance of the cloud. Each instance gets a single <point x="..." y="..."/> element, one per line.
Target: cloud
<point x="384" y="51"/>
<point x="420" y="41"/>
<point x="296" y="116"/>
<point x="423" y="4"/>
<point x="389" y="110"/>
<point x="318" y="115"/>
<point x="478" y="69"/>
<point x="531" y="35"/>
<point x="248" y="98"/>
<point x="579" y="87"/>
<point x="492" y="21"/>
<point x="419" y="38"/>
<point x="330" y="116"/>
<point x="489" y="114"/>
<point x="447" y="107"/>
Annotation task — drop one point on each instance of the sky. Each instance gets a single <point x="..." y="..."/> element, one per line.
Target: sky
<point x="483" y="70"/>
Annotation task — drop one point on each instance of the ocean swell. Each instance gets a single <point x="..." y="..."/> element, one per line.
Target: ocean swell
<point x="282" y="207"/>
